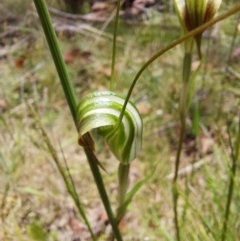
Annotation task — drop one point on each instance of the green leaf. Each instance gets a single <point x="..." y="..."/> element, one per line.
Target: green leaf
<point x="31" y="191"/>
<point x="17" y="233"/>
<point x="2" y="119"/>
<point x="36" y="232"/>
<point x="196" y="118"/>
<point x="128" y="197"/>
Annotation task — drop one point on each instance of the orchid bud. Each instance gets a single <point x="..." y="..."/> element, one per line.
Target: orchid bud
<point x="194" y="13"/>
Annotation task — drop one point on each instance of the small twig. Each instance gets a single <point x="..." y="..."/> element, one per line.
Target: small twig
<point x="69" y="15"/>
<point x="82" y="28"/>
<point x="22" y="79"/>
<point x="21" y="106"/>
<point x="190" y="168"/>
<point x="11" y="49"/>
<point x="110" y="18"/>
<point x="232" y="72"/>
<point x="9" y="13"/>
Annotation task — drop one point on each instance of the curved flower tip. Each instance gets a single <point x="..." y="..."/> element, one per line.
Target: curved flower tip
<point x="100" y="110"/>
<point x="194" y="13"/>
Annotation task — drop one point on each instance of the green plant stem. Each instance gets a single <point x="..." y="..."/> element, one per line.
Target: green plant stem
<point x="123" y="172"/>
<point x="235" y="157"/>
<point x="72" y="103"/>
<point x="103" y="194"/>
<point x="172" y="45"/>
<point x="228" y="62"/>
<point x="114" y="46"/>
<point x="182" y="112"/>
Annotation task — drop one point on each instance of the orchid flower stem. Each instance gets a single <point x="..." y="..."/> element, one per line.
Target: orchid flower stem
<point x="235" y="157"/>
<point x="51" y="37"/>
<point x="114" y="46"/>
<point x="182" y="112"/>
<point x="172" y="45"/>
<point x="123" y="172"/>
<point x="104" y="196"/>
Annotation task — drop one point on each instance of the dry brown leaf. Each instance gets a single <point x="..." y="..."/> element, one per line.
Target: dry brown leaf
<point x="122" y="225"/>
<point x="103" y="217"/>
<point x="235" y="56"/>
<point x="75" y="225"/>
<point x="105" y="70"/>
<point x="71" y="55"/>
<point x="85" y="57"/>
<point x="195" y="65"/>
<point x="100" y="6"/>
<point x="100" y="16"/>
<point x="134" y="11"/>
<point x="3" y="105"/>
<point x="144" y="2"/>
<point x="143" y="109"/>
<point x="101" y="87"/>
<point x="206" y="144"/>
<point x="189" y="144"/>
<point x="19" y="62"/>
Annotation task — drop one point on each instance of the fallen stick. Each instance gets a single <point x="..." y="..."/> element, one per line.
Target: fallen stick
<point x="190" y="168"/>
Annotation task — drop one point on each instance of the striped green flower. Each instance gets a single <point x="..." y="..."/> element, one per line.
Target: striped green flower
<point x="101" y="110"/>
<point x="194" y="13"/>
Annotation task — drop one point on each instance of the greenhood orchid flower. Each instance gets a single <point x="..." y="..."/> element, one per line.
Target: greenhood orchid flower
<point x="194" y="13"/>
<point x="101" y="110"/>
